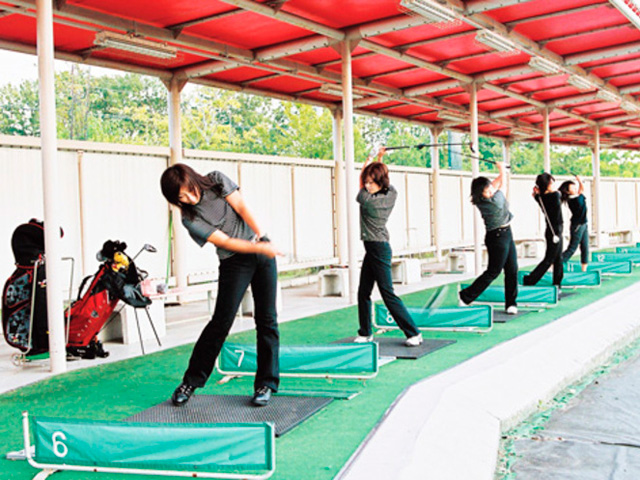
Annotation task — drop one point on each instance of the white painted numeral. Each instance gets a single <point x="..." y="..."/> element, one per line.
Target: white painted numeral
<point x="601" y="258"/>
<point x="241" y="352"/>
<point x="59" y="448"/>
<point x="390" y="319"/>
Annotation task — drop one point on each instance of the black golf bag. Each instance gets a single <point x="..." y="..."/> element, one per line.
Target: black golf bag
<point x="24" y="297"/>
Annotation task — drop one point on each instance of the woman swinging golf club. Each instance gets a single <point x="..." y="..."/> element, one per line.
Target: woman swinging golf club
<point x="213" y="211"/>
<point x="549" y="201"/>
<point x="573" y="194"/>
<point x="488" y="197"/>
<point x="377" y="198"/>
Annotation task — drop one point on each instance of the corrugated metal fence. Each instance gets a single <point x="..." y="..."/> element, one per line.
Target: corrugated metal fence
<point x="113" y="192"/>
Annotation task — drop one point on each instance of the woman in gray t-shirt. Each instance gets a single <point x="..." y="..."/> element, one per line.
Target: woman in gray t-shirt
<point x="377" y="198"/>
<point x="494" y="208"/>
<point x="213" y="211"/>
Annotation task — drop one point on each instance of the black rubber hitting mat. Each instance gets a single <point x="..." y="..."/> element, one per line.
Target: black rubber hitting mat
<point x="564" y="293"/>
<point x="394" y="347"/>
<point x="499" y="316"/>
<point x="285" y="412"/>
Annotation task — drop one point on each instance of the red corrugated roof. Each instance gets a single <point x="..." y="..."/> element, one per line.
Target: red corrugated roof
<point x="394" y="54"/>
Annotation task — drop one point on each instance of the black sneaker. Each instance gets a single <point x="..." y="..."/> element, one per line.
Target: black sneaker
<point x="261" y="396"/>
<point x="182" y="394"/>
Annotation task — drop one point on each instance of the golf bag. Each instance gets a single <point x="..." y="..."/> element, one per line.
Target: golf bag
<point x="117" y="278"/>
<point x="24" y="298"/>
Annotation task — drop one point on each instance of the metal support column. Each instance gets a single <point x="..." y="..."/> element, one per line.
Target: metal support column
<point x="435" y="191"/>
<point x="546" y="141"/>
<point x="351" y="177"/>
<point x="175" y="144"/>
<point x="475" y="170"/>
<point x="595" y="190"/>
<point x="340" y="189"/>
<point x="50" y="186"/>
<point x="506" y="156"/>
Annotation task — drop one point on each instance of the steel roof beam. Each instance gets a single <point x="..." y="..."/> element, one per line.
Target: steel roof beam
<point x="430" y="87"/>
<point x="610" y="64"/>
<point x="387" y="25"/>
<point x="481" y="6"/>
<point x="629" y="88"/>
<point x="208" y="18"/>
<point x="291" y="48"/>
<point x="506" y="112"/>
<point x="561" y="13"/>
<point x="602" y="53"/>
<point x="586" y="32"/>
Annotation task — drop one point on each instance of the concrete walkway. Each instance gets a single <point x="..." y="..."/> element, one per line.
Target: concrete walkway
<point x="449" y="425"/>
<point x="184" y="324"/>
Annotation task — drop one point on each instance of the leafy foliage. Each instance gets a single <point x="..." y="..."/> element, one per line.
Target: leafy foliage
<point x="132" y="109"/>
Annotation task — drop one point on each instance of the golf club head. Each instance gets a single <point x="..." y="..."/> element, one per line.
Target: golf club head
<point x="556" y="239"/>
<point x="149" y="248"/>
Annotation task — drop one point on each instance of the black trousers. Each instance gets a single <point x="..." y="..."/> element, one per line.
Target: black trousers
<point x="552" y="256"/>
<point x="579" y="237"/>
<point x="376" y="268"/>
<point x="502" y="256"/>
<point x="236" y="274"/>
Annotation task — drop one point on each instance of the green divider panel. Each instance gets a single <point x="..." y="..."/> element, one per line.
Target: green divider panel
<point x="174" y="447"/>
<point x="530" y="295"/>
<point x="634" y="258"/>
<point x="447" y="318"/>
<point x="605" y="268"/>
<point x="635" y="249"/>
<point x="337" y="360"/>
<point x="569" y="279"/>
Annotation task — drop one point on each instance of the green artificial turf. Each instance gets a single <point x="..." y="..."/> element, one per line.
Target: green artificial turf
<point x="315" y="450"/>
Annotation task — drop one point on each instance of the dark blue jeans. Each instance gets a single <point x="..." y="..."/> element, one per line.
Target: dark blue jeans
<point x="502" y="256"/>
<point x="579" y="237"/>
<point x="236" y="274"/>
<point x="376" y="268"/>
<point x="552" y="256"/>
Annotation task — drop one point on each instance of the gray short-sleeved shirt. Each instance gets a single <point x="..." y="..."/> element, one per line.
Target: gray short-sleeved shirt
<point x="495" y="211"/>
<point x="374" y="213"/>
<point x="213" y="213"/>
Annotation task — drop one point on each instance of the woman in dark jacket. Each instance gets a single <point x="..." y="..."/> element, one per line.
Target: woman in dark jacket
<point x="213" y="211"/>
<point x="573" y="196"/>
<point x="549" y="201"/>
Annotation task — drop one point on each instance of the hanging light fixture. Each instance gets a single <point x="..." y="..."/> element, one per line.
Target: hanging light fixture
<point x="496" y="42"/>
<point x="580" y="83"/>
<point x="431" y="10"/>
<point x="543" y="65"/>
<point x="131" y="43"/>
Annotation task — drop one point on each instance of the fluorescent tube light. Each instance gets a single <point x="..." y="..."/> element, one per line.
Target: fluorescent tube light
<point x="431" y="10"/>
<point x="580" y="83"/>
<point x="607" y="96"/>
<point x="131" y="43"/>
<point x="630" y="107"/>
<point x="630" y="9"/>
<point x="496" y="42"/>
<point x="544" y="66"/>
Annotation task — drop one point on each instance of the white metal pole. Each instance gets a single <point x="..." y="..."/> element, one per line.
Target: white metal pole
<point x="340" y="188"/>
<point x="350" y="174"/>
<point x="50" y="186"/>
<point x="175" y="144"/>
<point x="435" y="190"/>
<point x="475" y="171"/>
<point x="546" y="140"/>
<point x="595" y="190"/>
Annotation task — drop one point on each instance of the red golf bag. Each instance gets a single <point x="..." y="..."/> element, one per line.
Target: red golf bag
<point x="118" y="278"/>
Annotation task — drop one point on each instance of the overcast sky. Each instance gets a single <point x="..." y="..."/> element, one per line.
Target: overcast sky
<point x="16" y="67"/>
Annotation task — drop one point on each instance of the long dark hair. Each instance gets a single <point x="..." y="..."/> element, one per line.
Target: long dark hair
<point x="478" y="186"/>
<point x="378" y="173"/>
<point x="542" y="182"/>
<point x="180" y="175"/>
<point x="564" y="190"/>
